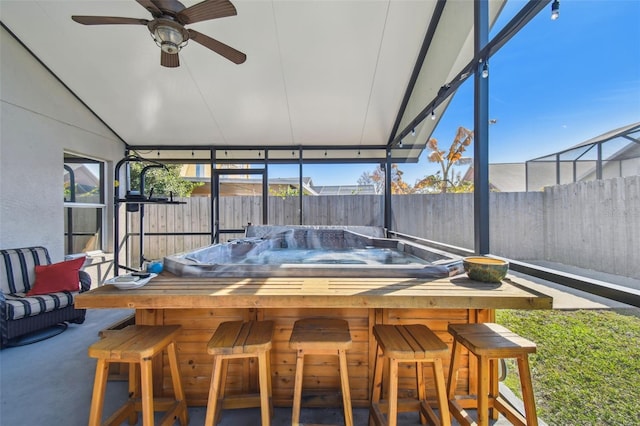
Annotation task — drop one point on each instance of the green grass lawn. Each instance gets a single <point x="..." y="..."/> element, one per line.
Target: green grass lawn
<point x="587" y="367"/>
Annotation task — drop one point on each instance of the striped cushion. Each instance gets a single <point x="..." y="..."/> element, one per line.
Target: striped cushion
<point x="17" y="268"/>
<point x="18" y="306"/>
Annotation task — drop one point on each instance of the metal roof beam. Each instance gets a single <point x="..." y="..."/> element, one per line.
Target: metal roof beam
<point x="528" y="12"/>
<point x="426" y="44"/>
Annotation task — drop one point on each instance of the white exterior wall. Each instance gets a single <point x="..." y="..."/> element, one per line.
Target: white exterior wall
<point x="40" y="120"/>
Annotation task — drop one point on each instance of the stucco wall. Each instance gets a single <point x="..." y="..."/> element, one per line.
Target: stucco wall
<point x="40" y="120"/>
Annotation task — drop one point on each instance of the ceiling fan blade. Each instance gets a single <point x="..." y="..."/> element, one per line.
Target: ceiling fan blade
<point x="151" y="8"/>
<point x="108" y="20"/>
<point x="168" y="60"/>
<point x="228" y="52"/>
<point x="208" y="9"/>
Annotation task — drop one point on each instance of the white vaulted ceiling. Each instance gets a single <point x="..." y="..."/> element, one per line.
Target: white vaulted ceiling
<point x="321" y="73"/>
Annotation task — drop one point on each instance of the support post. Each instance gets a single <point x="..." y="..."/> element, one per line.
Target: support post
<point x="300" y="163"/>
<point x="387" y="190"/>
<point x="599" y="162"/>
<point x="481" y="132"/>
<point x="214" y="200"/>
<point x="265" y="189"/>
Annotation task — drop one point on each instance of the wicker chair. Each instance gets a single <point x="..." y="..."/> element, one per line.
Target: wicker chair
<point x="19" y="314"/>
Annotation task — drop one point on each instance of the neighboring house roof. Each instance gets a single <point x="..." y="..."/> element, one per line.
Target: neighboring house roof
<point x="243" y="185"/>
<point x="204" y="171"/>
<point x="624" y="131"/>
<point x="620" y="155"/>
<point x="503" y="177"/>
<point x="307" y="182"/>
<point x="345" y="190"/>
<point x="247" y="185"/>
<point x="85" y="180"/>
<point x="511" y="177"/>
<point x="85" y="184"/>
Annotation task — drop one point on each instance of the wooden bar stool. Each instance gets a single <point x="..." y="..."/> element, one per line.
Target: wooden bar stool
<point x="138" y="345"/>
<point x="408" y="343"/>
<point x="490" y="342"/>
<point x="321" y="336"/>
<point x="238" y="339"/>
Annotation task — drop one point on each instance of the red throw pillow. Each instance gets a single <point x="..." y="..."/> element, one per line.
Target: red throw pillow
<point x="62" y="276"/>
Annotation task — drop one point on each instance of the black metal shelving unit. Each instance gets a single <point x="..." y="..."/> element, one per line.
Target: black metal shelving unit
<point x="134" y="202"/>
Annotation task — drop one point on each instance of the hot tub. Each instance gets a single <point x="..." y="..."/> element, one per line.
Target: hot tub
<point x="297" y="251"/>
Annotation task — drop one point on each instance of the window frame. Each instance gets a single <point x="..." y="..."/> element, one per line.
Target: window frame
<point x="69" y="205"/>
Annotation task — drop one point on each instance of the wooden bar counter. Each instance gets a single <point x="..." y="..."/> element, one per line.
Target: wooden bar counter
<point x="201" y="304"/>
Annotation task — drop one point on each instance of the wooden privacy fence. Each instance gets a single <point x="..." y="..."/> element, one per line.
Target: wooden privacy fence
<point x="190" y="218"/>
<point x="594" y="225"/>
<point x="236" y="213"/>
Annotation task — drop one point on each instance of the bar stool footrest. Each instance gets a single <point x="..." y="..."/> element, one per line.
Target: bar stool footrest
<point x="170" y="406"/>
<point x="380" y="409"/>
<point x="509" y="411"/>
<point x="122" y="414"/>
<point x="231" y="402"/>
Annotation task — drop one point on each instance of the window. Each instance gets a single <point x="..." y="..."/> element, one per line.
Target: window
<point x="83" y="204"/>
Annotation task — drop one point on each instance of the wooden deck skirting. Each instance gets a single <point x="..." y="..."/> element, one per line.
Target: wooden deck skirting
<point x="200" y="305"/>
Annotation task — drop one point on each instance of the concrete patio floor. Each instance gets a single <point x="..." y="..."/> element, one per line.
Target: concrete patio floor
<point x="51" y="382"/>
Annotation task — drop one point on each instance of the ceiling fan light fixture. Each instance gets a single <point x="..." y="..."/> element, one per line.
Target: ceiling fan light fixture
<point x="169" y="38"/>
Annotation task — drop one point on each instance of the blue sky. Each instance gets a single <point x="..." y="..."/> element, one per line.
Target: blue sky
<point x="554" y="85"/>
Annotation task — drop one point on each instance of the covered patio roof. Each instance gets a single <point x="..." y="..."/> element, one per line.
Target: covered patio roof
<point x="323" y="82"/>
<point x="347" y="78"/>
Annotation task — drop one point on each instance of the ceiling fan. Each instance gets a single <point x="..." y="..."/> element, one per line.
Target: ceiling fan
<point x="168" y="27"/>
